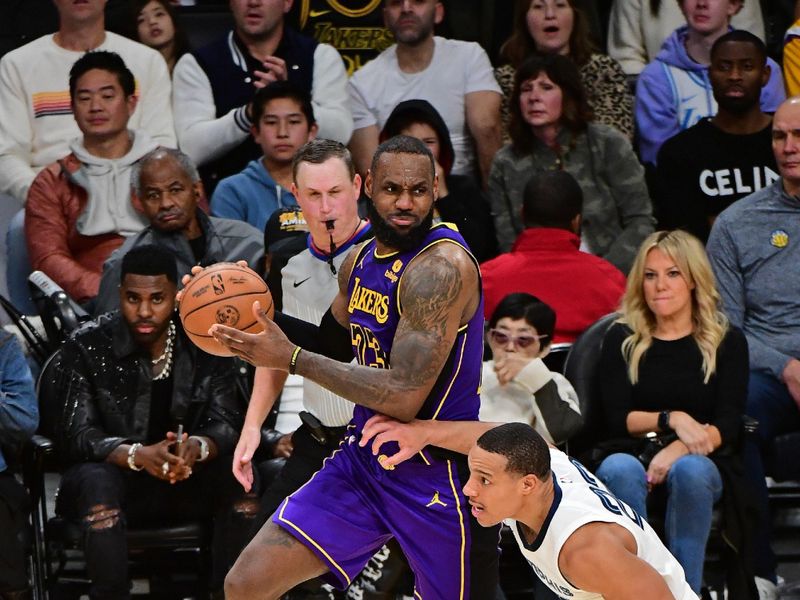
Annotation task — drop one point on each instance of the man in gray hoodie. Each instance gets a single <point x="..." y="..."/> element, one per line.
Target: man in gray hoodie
<point x="79" y="208"/>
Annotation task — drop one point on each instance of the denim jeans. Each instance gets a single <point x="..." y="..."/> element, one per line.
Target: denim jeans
<point x="768" y="401"/>
<point x="693" y="486"/>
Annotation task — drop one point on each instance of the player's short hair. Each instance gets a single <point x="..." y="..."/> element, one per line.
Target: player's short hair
<point x="536" y="313"/>
<point x="320" y="150"/>
<point x="402" y="144"/>
<point x="526" y="451"/>
<point x="282" y="89"/>
<point x="149" y="259"/>
<point x="106" y="61"/>
<point x="551" y="199"/>
<point x="186" y="164"/>
<point x="745" y="37"/>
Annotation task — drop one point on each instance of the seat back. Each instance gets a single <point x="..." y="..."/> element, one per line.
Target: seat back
<point x="18" y="265"/>
<point x="557" y="356"/>
<point x="580" y="369"/>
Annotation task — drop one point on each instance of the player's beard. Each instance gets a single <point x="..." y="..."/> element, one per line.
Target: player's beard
<point x="402" y="242"/>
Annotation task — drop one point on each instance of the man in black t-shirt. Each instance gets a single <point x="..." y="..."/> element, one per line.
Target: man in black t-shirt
<point x="704" y="169"/>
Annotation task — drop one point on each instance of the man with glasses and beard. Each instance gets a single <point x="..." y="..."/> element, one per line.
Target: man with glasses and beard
<point x="410" y="299"/>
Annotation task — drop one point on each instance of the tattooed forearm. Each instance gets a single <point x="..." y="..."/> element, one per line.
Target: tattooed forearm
<point x="435" y="293"/>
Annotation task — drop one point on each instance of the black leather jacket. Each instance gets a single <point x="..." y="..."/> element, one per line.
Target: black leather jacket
<point x="98" y="395"/>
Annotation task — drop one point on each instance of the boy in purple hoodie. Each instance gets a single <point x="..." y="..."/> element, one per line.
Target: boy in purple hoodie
<point x="674" y="92"/>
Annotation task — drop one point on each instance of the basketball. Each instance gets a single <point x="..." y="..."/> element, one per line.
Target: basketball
<point x="223" y="293"/>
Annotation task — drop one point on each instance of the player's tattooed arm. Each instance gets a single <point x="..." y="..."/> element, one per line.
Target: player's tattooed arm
<point x="439" y="292"/>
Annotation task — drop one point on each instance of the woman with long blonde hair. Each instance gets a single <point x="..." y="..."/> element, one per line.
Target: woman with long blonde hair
<point x="674" y="383"/>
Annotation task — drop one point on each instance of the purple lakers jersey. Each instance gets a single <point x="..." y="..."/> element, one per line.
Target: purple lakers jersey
<point x="375" y="311"/>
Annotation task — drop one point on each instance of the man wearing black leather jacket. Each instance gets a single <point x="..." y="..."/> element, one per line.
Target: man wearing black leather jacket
<point x="146" y="429"/>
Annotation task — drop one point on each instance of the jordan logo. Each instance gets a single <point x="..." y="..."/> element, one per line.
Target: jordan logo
<point x="435" y="500"/>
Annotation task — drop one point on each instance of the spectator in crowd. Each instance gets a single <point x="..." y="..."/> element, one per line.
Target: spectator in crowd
<point x="79" y="208"/>
<point x="546" y="260"/>
<point x="517" y="386"/>
<point x="357" y="33"/>
<point x="157" y="26"/>
<point x="551" y="129"/>
<point x="454" y="76"/>
<point x="166" y="185"/>
<point x="19" y="416"/>
<point x="673" y="337"/>
<point x="674" y="92"/>
<point x="704" y="169"/>
<point x="37" y="125"/>
<point x="214" y="87"/>
<point x="561" y="27"/>
<point x="638" y="28"/>
<point x="752" y="251"/>
<point x="460" y="199"/>
<point x="283" y="120"/>
<point x="130" y="380"/>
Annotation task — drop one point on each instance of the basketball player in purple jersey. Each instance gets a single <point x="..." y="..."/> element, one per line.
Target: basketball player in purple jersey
<point x="410" y="305"/>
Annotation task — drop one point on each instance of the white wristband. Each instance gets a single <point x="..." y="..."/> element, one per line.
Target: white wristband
<point x="132" y="457"/>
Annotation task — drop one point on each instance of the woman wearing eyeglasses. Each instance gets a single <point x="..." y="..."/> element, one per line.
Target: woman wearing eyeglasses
<point x="517" y="386"/>
<point x="673" y="367"/>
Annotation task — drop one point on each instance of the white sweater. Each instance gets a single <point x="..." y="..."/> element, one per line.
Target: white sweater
<point x="635" y="36"/>
<point x="197" y="124"/>
<point x="36" y="122"/>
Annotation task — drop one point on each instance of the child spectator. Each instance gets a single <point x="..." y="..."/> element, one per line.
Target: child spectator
<point x="637" y="29"/>
<point x="157" y="26"/>
<point x="559" y="27"/>
<point x="283" y="120"/>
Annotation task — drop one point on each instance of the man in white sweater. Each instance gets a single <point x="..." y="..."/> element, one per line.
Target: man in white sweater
<point x="215" y="85"/>
<point x="36" y="123"/>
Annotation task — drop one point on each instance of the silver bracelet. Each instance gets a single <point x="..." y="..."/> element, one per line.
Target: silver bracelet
<point x="203" y="447"/>
<point x="132" y="456"/>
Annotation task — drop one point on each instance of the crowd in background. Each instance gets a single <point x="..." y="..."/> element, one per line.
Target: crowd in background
<point x="654" y="173"/>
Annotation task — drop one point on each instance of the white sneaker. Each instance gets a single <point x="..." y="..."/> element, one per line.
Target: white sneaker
<point x="766" y="589"/>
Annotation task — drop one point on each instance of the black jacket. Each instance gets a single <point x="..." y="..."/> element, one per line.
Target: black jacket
<point x="99" y="394"/>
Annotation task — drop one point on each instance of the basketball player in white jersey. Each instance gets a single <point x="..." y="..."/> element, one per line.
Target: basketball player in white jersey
<point x="581" y="541"/>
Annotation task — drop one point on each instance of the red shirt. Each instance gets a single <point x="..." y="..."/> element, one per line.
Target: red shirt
<point x="548" y="264"/>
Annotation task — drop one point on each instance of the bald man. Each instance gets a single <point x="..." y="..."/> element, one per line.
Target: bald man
<point x="752" y="250"/>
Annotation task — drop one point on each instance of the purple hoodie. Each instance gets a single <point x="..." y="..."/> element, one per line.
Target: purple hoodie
<point x="674" y="92"/>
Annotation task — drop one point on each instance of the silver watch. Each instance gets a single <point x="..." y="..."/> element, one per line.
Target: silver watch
<point x="203" y="446"/>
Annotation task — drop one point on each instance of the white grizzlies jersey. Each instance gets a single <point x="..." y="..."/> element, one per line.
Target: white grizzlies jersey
<point x="581" y="498"/>
<point x="309" y="286"/>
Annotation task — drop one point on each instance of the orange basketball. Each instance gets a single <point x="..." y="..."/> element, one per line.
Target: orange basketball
<point x="223" y="293"/>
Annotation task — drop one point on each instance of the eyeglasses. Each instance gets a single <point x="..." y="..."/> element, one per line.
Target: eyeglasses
<point x="521" y="341"/>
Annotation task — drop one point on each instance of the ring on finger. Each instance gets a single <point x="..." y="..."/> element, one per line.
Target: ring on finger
<point x="165" y="468"/>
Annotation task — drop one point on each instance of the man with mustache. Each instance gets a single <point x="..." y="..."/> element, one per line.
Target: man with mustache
<point x="409" y="308"/>
<point x="721" y="159"/>
<point x="131" y="382"/>
<point x="167" y="187"/>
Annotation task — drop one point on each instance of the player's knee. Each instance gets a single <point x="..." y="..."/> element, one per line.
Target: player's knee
<point x="240" y="583"/>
